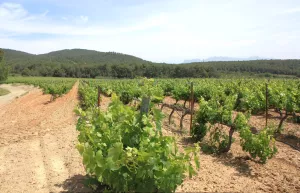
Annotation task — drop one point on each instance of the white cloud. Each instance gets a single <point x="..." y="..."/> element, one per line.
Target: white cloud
<point x="292" y="10"/>
<point x="84" y="19"/>
<point x="15" y="19"/>
<point x="166" y="36"/>
<point x="11" y="11"/>
<point x="195" y="30"/>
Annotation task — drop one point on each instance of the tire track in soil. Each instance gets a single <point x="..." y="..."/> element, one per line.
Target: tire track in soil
<point x="37" y="144"/>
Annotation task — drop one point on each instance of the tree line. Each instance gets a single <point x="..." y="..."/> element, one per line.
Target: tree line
<point x="3" y="67"/>
<point x="90" y="64"/>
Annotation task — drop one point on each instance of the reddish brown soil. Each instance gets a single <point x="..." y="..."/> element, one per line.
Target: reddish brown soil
<point x="37" y="144"/>
<point x="235" y="172"/>
<point x="16" y="91"/>
<point x="104" y="102"/>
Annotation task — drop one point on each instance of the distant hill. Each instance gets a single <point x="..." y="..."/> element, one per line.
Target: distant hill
<point x="91" y="64"/>
<point x="224" y="58"/>
<point x="74" y="56"/>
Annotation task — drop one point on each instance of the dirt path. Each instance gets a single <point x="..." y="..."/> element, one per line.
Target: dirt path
<point x="15" y="91"/>
<point x="37" y="144"/>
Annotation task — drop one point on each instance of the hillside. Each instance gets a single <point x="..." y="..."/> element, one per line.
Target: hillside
<point x="90" y="64"/>
<point x="70" y="63"/>
<point x="74" y="56"/>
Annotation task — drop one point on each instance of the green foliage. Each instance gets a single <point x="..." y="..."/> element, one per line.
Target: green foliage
<point x="54" y="86"/>
<point x="261" y="145"/>
<point x="127" y="90"/>
<point x="90" y="64"/>
<point x="212" y="114"/>
<point x="285" y="97"/>
<point x="149" y="88"/>
<point x="252" y="101"/>
<point x="218" y="100"/>
<point x="126" y="150"/>
<point x="3" y="67"/>
<point x="88" y="95"/>
<point x="3" y="92"/>
<point x="181" y="91"/>
<point x="239" y="95"/>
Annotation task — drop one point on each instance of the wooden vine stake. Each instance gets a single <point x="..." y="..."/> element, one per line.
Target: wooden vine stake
<point x="99" y="97"/>
<point x="192" y="107"/>
<point x="266" y="104"/>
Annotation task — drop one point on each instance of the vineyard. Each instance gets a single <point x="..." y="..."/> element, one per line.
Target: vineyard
<point x="222" y="108"/>
<point x="156" y="135"/>
<point x="54" y="86"/>
<point x="159" y="96"/>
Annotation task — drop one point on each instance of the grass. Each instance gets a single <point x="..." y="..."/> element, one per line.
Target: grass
<point x="3" y="92"/>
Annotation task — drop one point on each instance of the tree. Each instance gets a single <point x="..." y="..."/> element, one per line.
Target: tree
<point x="59" y="72"/>
<point x="26" y="72"/>
<point x="3" y="68"/>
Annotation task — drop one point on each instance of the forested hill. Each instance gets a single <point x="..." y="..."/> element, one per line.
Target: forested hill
<point x="89" y="63"/>
<point x="74" y="56"/>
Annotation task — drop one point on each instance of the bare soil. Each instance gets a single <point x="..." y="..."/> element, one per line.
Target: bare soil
<point x="235" y="171"/>
<point x="15" y="91"/>
<point x="37" y="144"/>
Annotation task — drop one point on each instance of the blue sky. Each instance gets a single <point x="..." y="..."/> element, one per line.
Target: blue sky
<point x="155" y="30"/>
